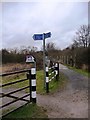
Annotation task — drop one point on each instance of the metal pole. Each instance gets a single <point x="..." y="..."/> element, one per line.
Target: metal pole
<point x="44" y="61"/>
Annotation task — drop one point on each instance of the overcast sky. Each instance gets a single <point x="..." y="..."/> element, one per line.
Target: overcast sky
<point x="20" y="20"/>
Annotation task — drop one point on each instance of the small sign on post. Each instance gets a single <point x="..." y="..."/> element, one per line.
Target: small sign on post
<point x="30" y="59"/>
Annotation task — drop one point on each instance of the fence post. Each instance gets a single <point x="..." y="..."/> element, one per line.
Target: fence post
<point x="33" y="85"/>
<point x="57" y="71"/>
<point x="47" y="80"/>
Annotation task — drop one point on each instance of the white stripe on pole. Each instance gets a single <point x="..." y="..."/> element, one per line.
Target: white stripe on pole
<point x="46" y="69"/>
<point x="56" y="72"/>
<point x="56" y="65"/>
<point x="33" y="82"/>
<point x="47" y="79"/>
<point x="33" y="94"/>
<point x="33" y="71"/>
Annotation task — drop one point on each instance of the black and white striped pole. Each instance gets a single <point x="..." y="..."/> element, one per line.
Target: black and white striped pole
<point x="33" y="85"/>
<point x="47" y="80"/>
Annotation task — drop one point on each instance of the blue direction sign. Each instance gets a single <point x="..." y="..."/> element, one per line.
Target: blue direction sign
<point x="41" y="36"/>
<point x="38" y="36"/>
<point x="47" y="35"/>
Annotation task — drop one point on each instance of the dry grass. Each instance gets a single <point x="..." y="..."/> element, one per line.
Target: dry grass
<point x="5" y="68"/>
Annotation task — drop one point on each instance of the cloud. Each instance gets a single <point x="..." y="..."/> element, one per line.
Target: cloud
<point x="21" y="20"/>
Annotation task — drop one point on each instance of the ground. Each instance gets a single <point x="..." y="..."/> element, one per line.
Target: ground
<point x="72" y="101"/>
<point x="69" y="102"/>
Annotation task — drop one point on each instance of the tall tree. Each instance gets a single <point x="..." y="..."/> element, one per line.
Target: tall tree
<point x="82" y="37"/>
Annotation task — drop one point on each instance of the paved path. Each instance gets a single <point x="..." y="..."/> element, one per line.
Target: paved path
<point x="72" y="101"/>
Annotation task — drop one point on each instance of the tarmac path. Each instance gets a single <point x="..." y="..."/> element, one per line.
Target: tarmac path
<point x="72" y="101"/>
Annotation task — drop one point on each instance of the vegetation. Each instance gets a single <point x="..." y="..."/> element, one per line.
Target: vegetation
<point x="19" y="56"/>
<point x="83" y="72"/>
<point x="26" y="112"/>
<point x="77" y="57"/>
<point x="78" y="52"/>
<point x="54" y="85"/>
<point x="82" y="37"/>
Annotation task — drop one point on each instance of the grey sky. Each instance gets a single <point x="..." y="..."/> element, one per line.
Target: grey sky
<point x="21" y="20"/>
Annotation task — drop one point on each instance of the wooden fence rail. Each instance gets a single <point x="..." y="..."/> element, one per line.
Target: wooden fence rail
<point x="51" y="73"/>
<point x="31" y="76"/>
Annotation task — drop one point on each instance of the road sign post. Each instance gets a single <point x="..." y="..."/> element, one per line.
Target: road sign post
<point x="44" y="61"/>
<point x="43" y="37"/>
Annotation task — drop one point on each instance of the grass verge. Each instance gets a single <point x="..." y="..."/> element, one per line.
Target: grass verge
<point x="83" y="72"/>
<point x="26" y="112"/>
<point x="53" y="85"/>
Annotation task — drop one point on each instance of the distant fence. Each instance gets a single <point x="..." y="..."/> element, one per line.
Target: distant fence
<point x="31" y="76"/>
<point x="51" y="73"/>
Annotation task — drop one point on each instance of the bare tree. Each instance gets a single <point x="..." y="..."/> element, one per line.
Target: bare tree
<point x="82" y="37"/>
<point x="50" y="46"/>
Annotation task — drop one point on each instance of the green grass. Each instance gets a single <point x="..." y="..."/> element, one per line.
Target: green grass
<point x="40" y="82"/>
<point x="16" y="77"/>
<point x="53" y="85"/>
<point x="27" y="111"/>
<point x="83" y="72"/>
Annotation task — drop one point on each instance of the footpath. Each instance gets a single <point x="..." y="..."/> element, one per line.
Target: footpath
<point x="71" y="102"/>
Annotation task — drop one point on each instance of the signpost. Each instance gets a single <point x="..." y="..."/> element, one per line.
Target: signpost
<point x="43" y="37"/>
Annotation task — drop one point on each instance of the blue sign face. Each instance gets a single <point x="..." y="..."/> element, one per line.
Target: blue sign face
<point x="38" y="36"/>
<point x="47" y="35"/>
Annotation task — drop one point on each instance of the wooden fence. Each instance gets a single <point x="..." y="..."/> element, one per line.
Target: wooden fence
<point x="31" y="76"/>
<point x="51" y="73"/>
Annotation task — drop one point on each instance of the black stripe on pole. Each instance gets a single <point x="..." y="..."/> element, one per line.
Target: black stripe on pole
<point x="33" y="88"/>
<point x="47" y="74"/>
<point x="33" y="76"/>
<point x="33" y="85"/>
<point x="47" y="80"/>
